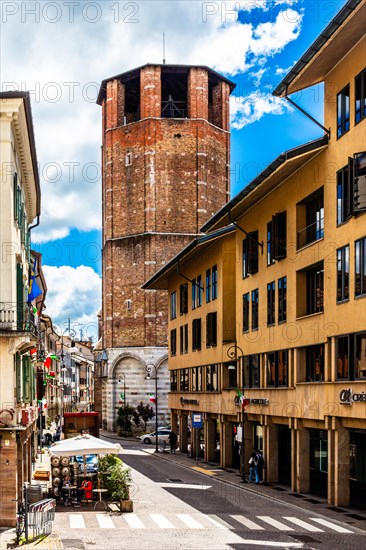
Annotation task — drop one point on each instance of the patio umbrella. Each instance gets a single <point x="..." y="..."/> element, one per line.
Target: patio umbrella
<point x="84" y="445"/>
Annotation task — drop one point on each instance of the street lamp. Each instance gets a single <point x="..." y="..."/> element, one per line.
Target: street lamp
<point x="232" y="353"/>
<point x="149" y="369"/>
<point x="124" y="399"/>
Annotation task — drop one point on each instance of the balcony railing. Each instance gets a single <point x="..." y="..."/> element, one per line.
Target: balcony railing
<point x="311" y="233"/>
<point x="17" y="318"/>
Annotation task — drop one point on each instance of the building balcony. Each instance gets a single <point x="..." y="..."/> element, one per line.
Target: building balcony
<point x="16" y="317"/>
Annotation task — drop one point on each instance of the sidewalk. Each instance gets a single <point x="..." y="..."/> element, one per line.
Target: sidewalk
<point x="273" y="491"/>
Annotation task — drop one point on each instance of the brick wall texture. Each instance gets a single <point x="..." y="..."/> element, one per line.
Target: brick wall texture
<point x="162" y="179"/>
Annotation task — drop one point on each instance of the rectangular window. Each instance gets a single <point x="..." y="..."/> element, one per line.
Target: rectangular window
<point x="310" y="290"/>
<point x="196" y="334"/>
<point x="194" y="293"/>
<point x="343" y="111"/>
<point x="212" y="382"/>
<point x="214" y="282"/>
<point x="199" y="291"/>
<point x="250" y="254"/>
<point x="359" y="182"/>
<point x="270" y="258"/>
<point x="184" y="380"/>
<point x="282" y="299"/>
<point x="208" y="285"/>
<point x="310" y="215"/>
<point x="271" y="301"/>
<point x="279" y="236"/>
<point x="183" y="330"/>
<point x="15" y="196"/>
<point x="351" y="188"/>
<point x="211" y="329"/>
<point x="251" y="371"/>
<point x="197" y="379"/>
<point x="255" y="308"/>
<point x="246" y="299"/>
<point x="315" y="363"/>
<point x="351" y="357"/>
<point x="173" y="380"/>
<point x="360" y="267"/>
<point x="360" y="356"/>
<point x="277" y="368"/>
<point x="343" y="349"/>
<point x="173" y="342"/>
<point x="360" y="96"/>
<point x="184" y="298"/>
<point x="173" y="305"/>
<point x="343" y="274"/>
<point x="128" y="159"/>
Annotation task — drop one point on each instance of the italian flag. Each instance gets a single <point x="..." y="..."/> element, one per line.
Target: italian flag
<point x="153" y="398"/>
<point x="242" y="400"/>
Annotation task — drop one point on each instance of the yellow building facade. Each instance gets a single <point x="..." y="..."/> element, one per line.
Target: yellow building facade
<point x="271" y="301"/>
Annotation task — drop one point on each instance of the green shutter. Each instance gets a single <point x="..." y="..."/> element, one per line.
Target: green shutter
<point x="18" y="379"/>
<point x="20" y="297"/>
<point x="26" y="377"/>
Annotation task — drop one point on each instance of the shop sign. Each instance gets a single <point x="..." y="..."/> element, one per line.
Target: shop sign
<point x="184" y="401"/>
<point x="197" y="420"/>
<point x="251" y="401"/>
<point x="347" y="397"/>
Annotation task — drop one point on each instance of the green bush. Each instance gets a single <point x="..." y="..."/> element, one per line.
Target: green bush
<point x="115" y="477"/>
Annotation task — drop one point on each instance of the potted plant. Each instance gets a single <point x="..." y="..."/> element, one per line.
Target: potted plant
<point x="116" y="478"/>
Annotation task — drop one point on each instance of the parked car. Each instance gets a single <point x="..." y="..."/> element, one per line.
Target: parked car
<point x="163" y="435"/>
<point x="91" y="464"/>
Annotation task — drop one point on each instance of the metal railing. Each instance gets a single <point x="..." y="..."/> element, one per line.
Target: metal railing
<point x="41" y="515"/>
<point x="16" y="317"/>
<point x="310" y="233"/>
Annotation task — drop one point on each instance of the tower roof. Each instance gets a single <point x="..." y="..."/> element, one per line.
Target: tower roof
<point x="214" y="76"/>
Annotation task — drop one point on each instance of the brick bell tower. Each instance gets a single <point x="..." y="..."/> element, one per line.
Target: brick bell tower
<point x="165" y="165"/>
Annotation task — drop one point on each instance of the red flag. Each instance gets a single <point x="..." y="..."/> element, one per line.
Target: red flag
<point x="153" y="399"/>
<point x="47" y="362"/>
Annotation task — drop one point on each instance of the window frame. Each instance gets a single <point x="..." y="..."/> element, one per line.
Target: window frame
<point x="173" y="342"/>
<point x="255" y="308"/>
<point x="314" y="354"/>
<point x="196" y="334"/>
<point x="211" y="329"/>
<point x="183" y="299"/>
<point x="277" y="355"/>
<point x="249" y="368"/>
<point x="214" y="282"/>
<point x="343" y="106"/>
<point x="246" y="311"/>
<point x="361" y="261"/>
<point x="271" y="303"/>
<point x="282" y="299"/>
<point x="342" y="276"/>
<point x="250" y="254"/>
<point x="362" y="109"/>
<point x="208" y="285"/>
<point x="173" y="305"/>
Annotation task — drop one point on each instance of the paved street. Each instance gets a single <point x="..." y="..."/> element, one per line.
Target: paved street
<point x="176" y="506"/>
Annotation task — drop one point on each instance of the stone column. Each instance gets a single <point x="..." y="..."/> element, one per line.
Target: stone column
<point x="226" y="454"/>
<point x="198" y="93"/>
<point x="302" y="458"/>
<point x="271" y="450"/>
<point x="114" y="104"/>
<point x="338" y="463"/>
<point x="174" y="421"/>
<point x="210" y="438"/>
<point x="183" y="432"/>
<point x="150" y="92"/>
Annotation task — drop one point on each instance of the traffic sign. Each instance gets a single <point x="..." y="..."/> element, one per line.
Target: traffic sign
<point x="197" y="420"/>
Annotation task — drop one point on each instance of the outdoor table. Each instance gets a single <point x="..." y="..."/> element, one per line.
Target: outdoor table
<point x="68" y="498"/>
<point x="100" y="500"/>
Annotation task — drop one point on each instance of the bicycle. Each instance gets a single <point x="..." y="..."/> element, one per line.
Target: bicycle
<point x="20" y="522"/>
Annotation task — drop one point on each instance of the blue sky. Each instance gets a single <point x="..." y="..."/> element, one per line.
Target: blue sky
<point x="60" y="51"/>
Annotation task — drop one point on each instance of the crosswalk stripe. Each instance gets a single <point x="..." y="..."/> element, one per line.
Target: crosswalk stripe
<point x="190" y="521"/>
<point x="248" y="523"/>
<point x="76" y="521"/>
<point x="304" y="524"/>
<point x="161" y="521"/>
<point x="220" y="523"/>
<point x="133" y="521"/>
<point x="277" y="524"/>
<point x="113" y="507"/>
<point x="331" y="525"/>
<point x="105" y="522"/>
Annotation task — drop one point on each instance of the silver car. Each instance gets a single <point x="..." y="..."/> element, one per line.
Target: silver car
<point x="163" y="435"/>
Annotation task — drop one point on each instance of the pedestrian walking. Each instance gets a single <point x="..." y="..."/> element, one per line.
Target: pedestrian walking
<point x="173" y="441"/>
<point x="253" y="468"/>
<point x="260" y="465"/>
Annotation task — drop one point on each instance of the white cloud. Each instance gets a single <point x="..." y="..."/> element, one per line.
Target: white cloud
<point x="63" y="63"/>
<point x="246" y="110"/>
<point x="271" y="38"/>
<point x="73" y="293"/>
